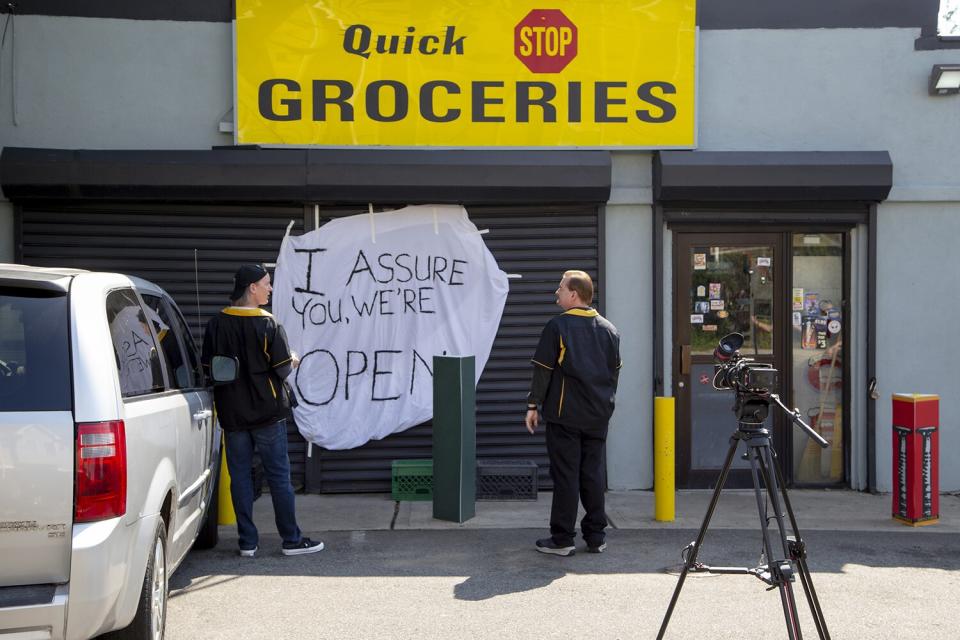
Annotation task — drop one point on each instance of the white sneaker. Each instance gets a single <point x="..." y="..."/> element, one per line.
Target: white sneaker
<point x="248" y="553"/>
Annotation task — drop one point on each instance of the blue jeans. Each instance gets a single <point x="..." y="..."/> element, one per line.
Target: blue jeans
<point x="271" y="442"/>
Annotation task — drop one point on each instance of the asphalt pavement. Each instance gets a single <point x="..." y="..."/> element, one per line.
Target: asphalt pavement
<point x="391" y="571"/>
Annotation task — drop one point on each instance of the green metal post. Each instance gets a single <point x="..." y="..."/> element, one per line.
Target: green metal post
<point x="454" y="438"/>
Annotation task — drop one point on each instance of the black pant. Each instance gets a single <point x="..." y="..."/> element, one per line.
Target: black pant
<point x="577" y="470"/>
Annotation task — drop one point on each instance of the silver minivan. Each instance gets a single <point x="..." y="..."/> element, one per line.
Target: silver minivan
<point x="108" y="453"/>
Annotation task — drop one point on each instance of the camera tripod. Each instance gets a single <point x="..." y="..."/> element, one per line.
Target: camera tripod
<point x="784" y="556"/>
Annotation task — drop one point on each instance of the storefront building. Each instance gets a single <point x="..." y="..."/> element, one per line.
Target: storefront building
<point x="814" y="209"/>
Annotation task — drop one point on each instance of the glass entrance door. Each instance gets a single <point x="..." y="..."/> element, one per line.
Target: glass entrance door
<point x="785" y="291"/>
<point x="724" y="283"/>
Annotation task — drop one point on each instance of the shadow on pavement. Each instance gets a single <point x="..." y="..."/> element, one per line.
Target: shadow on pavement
<point x="496" y="562"/>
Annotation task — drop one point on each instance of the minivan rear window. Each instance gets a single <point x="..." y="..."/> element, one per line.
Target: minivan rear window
<point x="34" y="350"/>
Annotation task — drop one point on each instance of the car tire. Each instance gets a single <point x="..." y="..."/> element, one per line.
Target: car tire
<point x="209" y="533"/>
<point x="150" y="620"/>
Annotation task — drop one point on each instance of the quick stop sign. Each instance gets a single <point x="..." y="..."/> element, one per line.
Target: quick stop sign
<point x="545" y="41"/>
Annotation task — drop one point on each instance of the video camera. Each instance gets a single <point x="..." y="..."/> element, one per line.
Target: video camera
<point x="743" y="375"/>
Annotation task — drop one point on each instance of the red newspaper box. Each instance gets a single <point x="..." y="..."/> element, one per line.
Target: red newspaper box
<point x="916" y="453"/>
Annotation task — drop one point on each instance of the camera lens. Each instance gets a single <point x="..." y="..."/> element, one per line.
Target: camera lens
<point x="728" y="347"/>
<point x="722" y="354"/>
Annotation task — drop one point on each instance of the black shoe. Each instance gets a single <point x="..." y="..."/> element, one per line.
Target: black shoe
<point x="600" y="548"/>
<point x="547" y="545"/>
<point x="306" y="545"/>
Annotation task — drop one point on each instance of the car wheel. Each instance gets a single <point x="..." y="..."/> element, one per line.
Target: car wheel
<point x="151" y="617"/>
<point x="209" y="533"/>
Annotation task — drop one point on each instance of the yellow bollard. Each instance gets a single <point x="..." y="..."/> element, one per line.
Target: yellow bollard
<point x="664" y="459"/>
<point x="226" y="514"/>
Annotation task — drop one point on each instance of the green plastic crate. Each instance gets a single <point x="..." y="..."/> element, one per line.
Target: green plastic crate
<point x="412" y="480"/>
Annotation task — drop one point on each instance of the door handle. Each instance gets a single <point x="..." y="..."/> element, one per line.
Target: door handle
<point x="685" y="360"/>
<point x="202" y="415"/>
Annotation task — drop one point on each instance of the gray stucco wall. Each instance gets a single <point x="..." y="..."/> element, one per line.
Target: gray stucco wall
<point x="123" y="84"/>
<point x="831" y="89"/>
<point x="628" y="274"/>
<point x="84" y="83"/>
<point x="918" y="335"/>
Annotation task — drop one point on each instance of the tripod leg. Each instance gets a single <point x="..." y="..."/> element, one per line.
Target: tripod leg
<point x="783" y="491"/>
<point x="691" y="559"/>
<point x="773" y="491"/>
<point x="812" y="600"/>
<point x="757" y="453"/>
<point x="799" y="553"/>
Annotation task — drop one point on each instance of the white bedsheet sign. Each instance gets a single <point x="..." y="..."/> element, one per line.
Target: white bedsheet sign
<point x="367" y="301"/>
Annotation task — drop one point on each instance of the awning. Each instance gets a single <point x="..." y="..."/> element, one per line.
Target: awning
<point x="241" y="174"/>
<point x="772" y="176"/>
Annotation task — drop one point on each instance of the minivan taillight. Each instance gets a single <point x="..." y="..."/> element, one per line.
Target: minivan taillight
<point x="101" y="471"/>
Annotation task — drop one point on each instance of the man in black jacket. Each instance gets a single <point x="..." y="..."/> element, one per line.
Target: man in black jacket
<point x="575" y="372"/>
<point x="253" y="408"/>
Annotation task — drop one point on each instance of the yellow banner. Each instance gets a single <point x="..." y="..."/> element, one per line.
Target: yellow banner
<point x="492" y="73"/>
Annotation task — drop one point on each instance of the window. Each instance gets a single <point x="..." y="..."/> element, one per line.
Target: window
<point x="183" y="331"/>
<point x="941" y="31"/>
<point x="134" y="347"/>
<point x="948" y="20"/>
<point x="817" y="350"/>
<point x="732" y="290"/>
<point x="34" y="351"/>
<point x="176" y="345"/>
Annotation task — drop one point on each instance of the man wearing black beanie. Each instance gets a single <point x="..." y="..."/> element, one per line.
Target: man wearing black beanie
<point x="253" y="408"/>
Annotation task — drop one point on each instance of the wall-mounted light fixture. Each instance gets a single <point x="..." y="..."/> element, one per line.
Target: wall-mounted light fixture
<point x="945" y="79"/>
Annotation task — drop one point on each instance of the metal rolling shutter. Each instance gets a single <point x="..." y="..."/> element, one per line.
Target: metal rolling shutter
<point x="157" y="242"/>
<point x="540" y="243"/>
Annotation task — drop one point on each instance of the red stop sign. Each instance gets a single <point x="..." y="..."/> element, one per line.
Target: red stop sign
<point x="545" y="41"/>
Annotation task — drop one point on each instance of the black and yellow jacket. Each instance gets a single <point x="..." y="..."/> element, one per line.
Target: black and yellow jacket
<point x="257" y="397"/>
<point x="576" y="368"/>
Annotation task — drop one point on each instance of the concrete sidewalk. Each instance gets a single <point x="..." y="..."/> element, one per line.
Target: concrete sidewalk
<point x="824" y="510"/>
